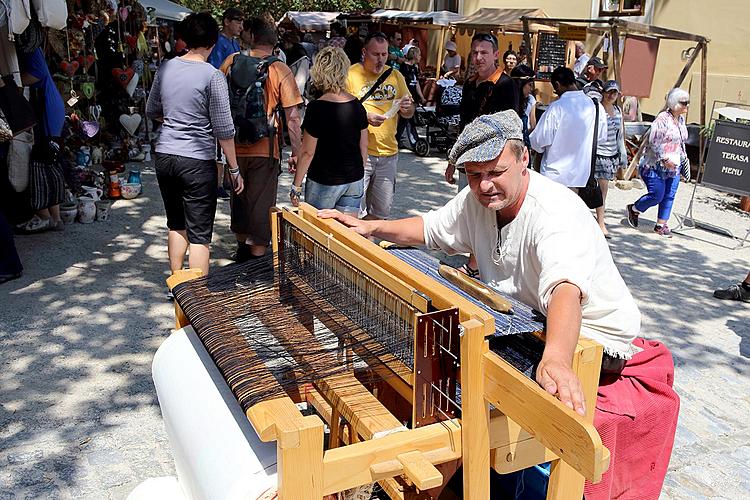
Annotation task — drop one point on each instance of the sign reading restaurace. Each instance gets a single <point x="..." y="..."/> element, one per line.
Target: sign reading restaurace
<point x="728" y="161"/>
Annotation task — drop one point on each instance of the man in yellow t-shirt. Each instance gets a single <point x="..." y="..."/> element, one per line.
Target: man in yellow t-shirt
<point x="390" y="99"/>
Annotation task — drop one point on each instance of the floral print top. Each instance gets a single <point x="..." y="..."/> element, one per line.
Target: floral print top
<point x="666" y="142"/>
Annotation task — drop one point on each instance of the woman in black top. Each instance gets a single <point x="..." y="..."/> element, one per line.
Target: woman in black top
<point x="334" y="143"/>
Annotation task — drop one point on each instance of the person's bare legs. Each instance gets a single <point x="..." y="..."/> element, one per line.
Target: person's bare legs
<point x="199" y="257"/>
<point x="603" y="186"/>
<point x="177" y="246"/>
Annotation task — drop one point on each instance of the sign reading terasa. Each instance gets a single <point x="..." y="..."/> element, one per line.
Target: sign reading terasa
<point x="728" y="161"/>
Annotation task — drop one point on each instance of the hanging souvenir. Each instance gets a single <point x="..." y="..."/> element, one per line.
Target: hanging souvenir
<point x="123" y="76"/>
<point x="132" y="84"/>
<point x="69" y="67"/>
<point x="86" y="61"/>
<point x="131" y="122"/>
<point x="91" y="127"/>
<point x="87" y="89"/>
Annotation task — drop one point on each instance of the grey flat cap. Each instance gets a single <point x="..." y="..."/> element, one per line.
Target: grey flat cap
<point x="484" y="138"/>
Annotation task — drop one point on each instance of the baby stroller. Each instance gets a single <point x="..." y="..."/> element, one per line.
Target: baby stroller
<point x="440" y="122"/>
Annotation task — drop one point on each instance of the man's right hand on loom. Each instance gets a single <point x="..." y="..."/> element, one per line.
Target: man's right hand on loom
<point x="359" y="226"/>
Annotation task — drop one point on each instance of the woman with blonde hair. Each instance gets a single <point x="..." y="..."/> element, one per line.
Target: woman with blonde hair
<point x="334" y="142"/>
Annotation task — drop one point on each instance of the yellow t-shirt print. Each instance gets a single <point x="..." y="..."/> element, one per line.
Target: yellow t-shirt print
<point x="382" y="139"/>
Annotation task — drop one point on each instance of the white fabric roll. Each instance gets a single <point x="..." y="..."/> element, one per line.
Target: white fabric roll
<point x="216" y="451"/>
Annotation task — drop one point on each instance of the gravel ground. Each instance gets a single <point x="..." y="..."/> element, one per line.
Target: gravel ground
<point x="78" y="412"/>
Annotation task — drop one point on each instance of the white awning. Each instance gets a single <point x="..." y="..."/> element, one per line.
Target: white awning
<point x="732" y="113"/>
<point x="508" y="19"/>
<point x="164" y="9"/>
<point x="310" y="21"/>
<point x="438" y="17"/>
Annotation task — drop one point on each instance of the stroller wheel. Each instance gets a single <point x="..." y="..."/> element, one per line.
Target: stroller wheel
<point x="421" y="147"/>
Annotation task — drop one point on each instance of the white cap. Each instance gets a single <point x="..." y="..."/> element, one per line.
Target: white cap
<point x="450" y="45"/>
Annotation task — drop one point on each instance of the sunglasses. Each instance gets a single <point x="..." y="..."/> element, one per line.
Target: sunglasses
<point x="485" y="37"/>
<point x="684" y="103"/>
<point x="376" y="34"/>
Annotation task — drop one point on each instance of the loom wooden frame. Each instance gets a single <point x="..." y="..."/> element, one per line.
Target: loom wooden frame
<point x="518" y="434"/>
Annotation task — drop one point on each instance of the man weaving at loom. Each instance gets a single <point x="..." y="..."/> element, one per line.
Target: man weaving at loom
<point x="535" y="241"/>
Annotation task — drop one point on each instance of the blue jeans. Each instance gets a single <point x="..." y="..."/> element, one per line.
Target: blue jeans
<point x="661" y="191"/>
<point x="344" y="197"/>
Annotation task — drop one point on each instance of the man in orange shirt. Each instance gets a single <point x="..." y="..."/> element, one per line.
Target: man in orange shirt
<point x="250" y="210"/>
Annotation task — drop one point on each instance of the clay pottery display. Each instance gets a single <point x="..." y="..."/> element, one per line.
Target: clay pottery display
<point x="86" y="210"/>
<point x="102" y="210"/>
<point x="130" y="190"/>
<point x="68" y="212"/>
<point x="92" y="193"/>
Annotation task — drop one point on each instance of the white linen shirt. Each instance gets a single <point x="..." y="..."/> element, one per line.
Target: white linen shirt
<point x="565" y="133"/>
<point x="553" y="239"/>
<point x="580" y="64"/>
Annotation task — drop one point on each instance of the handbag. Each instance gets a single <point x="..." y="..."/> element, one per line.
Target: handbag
<point x="19" y="156"/>
<point x="685" y="165"/>
<point x="591" y="194"/>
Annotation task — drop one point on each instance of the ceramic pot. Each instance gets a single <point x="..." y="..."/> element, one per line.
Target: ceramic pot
<point x="68" y="212"/>
<point x="86" y="210"/>
<point x="91" y="192"/>
<point x="130" y="190"/>
<point x="102" y="210"/>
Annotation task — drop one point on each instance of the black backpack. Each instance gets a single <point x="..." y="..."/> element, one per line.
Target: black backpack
<point x="247" y="98"/>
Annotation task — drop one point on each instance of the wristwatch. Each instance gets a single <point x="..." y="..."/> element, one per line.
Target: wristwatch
<point x="296" y="191"/>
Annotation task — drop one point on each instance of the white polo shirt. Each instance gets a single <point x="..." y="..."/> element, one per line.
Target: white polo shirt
<point x="565" y="133"/>
<point x="553" y="239"/>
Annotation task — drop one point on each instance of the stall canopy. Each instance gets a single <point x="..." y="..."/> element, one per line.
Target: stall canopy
<point x="437" y="18"/>
<point x="164" y="9"/>
<point x="310" y="21"/>
<point x="506" y="19"/>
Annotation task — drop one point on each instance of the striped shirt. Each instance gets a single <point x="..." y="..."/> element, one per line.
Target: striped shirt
<point x="611" y="146"/>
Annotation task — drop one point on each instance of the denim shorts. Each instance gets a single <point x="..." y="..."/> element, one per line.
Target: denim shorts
<point x="344" y="197"/>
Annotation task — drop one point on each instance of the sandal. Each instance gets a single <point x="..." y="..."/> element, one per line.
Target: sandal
<point x="470" y="272"/>
<point x="35" y="225"/>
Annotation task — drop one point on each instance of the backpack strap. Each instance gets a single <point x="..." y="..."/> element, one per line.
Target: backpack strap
<point x="383" y="77"/>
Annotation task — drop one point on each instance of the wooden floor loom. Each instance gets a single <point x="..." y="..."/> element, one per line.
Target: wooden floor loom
<point x="527" y="426"/>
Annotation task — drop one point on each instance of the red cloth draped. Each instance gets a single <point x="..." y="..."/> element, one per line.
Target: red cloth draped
<point x="636" y="416"/>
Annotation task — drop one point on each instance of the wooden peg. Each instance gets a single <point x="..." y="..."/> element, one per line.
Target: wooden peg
<point x="422" y="473"/>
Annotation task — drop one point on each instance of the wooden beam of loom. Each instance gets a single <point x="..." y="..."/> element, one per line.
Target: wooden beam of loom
<point x="542" y="415"/>
<point x="441" y="296"/>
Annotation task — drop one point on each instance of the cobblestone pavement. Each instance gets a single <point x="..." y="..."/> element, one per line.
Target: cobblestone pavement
<point x="78" y="411"/>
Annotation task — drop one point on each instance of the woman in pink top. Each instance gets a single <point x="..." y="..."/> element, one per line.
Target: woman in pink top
<point x="660" y="165"/>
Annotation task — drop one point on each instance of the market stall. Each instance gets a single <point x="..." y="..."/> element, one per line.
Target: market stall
<point x="164" y="9"/>
<point x="308" y="21"/>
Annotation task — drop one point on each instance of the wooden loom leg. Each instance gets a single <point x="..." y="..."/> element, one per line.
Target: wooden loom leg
<point x="564" y="481"/>
<point x="475" y="413"/>
<point x="300" y="465"/>
<point x="180" y="277"/>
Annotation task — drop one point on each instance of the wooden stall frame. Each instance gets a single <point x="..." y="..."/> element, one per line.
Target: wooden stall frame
<point x="616" y="27"/>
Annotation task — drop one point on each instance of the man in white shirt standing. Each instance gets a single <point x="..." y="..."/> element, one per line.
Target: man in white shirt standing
<point x="565" y="132"/>
<point x="535" y="241"/>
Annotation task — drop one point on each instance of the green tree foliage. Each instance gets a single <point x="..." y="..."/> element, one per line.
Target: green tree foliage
<point x="277" y="8"/>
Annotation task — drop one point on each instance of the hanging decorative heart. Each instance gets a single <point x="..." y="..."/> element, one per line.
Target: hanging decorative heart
<point x="69" y="67"/>
<point x="90" y="128"/>
<point x="131" y="41"/>
<point x="130" y="122"/>
<point x="87" y="88"/>
<point x="132" y="85"/>
<point x="86" y="62"/>
<point x="123" y="76"/>
<point x="124" y="13"/>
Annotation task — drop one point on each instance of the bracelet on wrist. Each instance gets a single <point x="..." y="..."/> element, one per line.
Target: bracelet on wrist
<point x="234" y="171"/>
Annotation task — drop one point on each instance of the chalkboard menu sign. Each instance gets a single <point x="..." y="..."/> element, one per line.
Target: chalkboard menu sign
<point x="728" y="160"/>
<point x="551" y="52"/>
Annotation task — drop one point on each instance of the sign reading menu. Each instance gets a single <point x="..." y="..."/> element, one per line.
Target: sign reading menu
<point x="551" y="53"/>
<point x="728" y="160"/>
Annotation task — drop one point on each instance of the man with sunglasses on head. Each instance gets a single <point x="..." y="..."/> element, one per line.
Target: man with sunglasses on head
<point x="490" y="90"/>
<point x="385" y="96"/>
